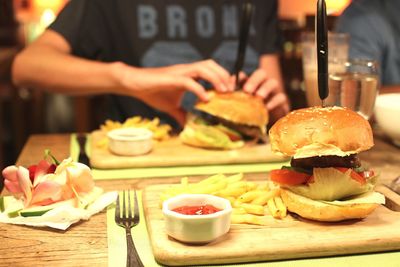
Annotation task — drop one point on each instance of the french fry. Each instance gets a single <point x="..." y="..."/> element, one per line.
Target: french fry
<point x="239" y="210"/>
<point x="250" y="219"/>
<point x="238" y="184"/>
<point x="235" y="178"/>
<point x="281" y="207"/>
<point x="160" y="131"/>
<point x="184" y="181"/>
<point x="208" y="189"/>
<point x="273" y="210"/>
<point x="231" y="199"/>
<point x="263" y="199"/>
<point x="212" y="179"/>
<point x="250" y="196"/>
<point x="252" y="203"/>
<point x="251" y="208"/>
<point x="232" y="192"/>
<point x="277" y="208"/>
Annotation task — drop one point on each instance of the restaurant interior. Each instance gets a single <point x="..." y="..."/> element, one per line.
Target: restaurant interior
<point x="319" y="201"/>
<point x="24" y="111"/>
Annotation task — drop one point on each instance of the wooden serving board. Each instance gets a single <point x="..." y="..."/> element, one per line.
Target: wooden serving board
<point x="290" y="238"/>
<point x="172" y="152"/>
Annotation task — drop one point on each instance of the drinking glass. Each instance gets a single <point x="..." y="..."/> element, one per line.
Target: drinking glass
<point x="355" y="86"/>
<point x="338" y="47"/>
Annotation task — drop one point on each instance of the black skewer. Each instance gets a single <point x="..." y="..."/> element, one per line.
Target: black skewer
<point x="322" y="50"/>
<point x="243" y="37"/>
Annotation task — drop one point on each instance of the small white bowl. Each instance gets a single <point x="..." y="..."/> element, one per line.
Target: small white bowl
<point x="130" y="141"/>
<point x="197" y="229"/>
<point x="387" y="114"/>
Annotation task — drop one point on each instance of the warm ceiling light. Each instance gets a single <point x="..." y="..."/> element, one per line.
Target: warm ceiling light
<point x="336" y="7"/>
<point x="54" y="5"/>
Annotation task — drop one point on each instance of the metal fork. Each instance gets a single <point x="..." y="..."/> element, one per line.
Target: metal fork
<point x="127" y="221"/>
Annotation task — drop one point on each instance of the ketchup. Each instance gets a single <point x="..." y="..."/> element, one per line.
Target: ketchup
<point x="196" y="210"/>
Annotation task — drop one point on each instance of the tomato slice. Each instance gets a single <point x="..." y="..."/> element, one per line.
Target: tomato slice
<point x="289" y="177"/>
<point x="356" y="176"/>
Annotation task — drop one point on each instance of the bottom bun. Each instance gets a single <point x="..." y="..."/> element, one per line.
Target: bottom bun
<point x="320" y="211"/>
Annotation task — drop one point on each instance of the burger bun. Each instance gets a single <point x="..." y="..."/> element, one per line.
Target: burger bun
<point x="237" y="107"/>
<point x="318" y="131"/>
<point x="321" y="211"/>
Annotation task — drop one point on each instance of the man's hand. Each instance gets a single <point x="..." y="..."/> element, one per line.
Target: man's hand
<point x="260" y="85"/>
<point x="175" y="77"/>
<point x="163" y="87"/>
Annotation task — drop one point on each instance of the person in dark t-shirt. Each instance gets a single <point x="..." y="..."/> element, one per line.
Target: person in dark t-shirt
<point x="155" y="57"/>
<point x="374" y="29"/>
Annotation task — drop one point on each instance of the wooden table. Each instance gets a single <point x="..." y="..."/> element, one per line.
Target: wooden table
<point x="85" y="244"/>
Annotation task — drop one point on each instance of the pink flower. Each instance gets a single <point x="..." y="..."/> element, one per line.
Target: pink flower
<point x="69" y="180"/>
<point x="11" y="181"/>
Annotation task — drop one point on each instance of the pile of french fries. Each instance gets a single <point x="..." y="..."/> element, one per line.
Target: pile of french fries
<point x="252" y="203"/>
<point x="160" y="131"/>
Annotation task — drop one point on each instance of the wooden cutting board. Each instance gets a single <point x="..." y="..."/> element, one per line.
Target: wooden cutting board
<point x="172" y="152"/>
<point x="290" y="238"/>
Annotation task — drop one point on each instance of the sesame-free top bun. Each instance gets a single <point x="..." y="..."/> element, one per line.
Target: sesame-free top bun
<point x="320" y="211"/>
<point x="238" y="107"/>
<point x="318" y="131"/>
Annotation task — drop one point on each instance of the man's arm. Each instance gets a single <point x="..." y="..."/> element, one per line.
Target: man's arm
<point x="47" y="64"/>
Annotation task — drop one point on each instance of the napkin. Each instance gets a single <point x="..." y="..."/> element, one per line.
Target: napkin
<point x="63" y="216"/>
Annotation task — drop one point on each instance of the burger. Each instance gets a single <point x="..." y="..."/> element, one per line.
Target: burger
<point x="226" y="121"/>
<point x="326" y="180"/>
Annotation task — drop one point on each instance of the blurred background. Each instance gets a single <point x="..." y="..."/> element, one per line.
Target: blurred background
<point x="24" y="112"/>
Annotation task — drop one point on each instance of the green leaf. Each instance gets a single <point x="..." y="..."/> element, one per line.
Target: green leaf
<point x="366" y="198"/>
<point x="47" y="153"/>
<point x="211" y="136"/>
<point x="40" y="210"/>
<point x="2" y="208"/>
<point x="331" y="184"/>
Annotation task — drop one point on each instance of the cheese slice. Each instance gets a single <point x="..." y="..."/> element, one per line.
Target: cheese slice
<point x="319" y="149"/>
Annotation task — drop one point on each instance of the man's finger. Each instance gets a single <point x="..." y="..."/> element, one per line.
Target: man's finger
<point x="277" y="100"/>
<point x="189" y="84"/>
<point x="268" y="89"/>
<point x="254" y="81"/>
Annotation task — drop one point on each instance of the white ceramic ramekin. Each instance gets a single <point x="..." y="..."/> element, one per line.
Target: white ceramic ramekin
<point x="130" y="141"/>
<point x="197" y="228"/>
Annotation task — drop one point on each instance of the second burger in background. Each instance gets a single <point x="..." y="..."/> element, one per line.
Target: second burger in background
<point x="226" y="121"/>
<point x="325" y="180"/>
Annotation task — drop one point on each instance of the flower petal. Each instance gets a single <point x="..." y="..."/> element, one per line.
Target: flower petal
<point x="80" y="177"/>
<point x="67" y="192"/>
<point x="59" y="177"/>
<point x="63" y="165"/>
<point x="41" y="170"/>
<point x="10" y="173"/>
<point x="25" y="184"/>
<point x="47" y="190"/>
<point x="11" y="180"/>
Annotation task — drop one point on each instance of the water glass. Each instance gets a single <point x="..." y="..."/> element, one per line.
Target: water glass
<point x="355" y="86"/>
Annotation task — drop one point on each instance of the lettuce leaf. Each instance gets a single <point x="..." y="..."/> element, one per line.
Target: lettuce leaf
<point x="366" y="198"/>
<point x="331" y="184"/>
<point x="209" y="135"/>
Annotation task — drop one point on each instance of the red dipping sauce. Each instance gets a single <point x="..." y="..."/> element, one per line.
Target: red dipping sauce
<point x="197" y="210"/>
